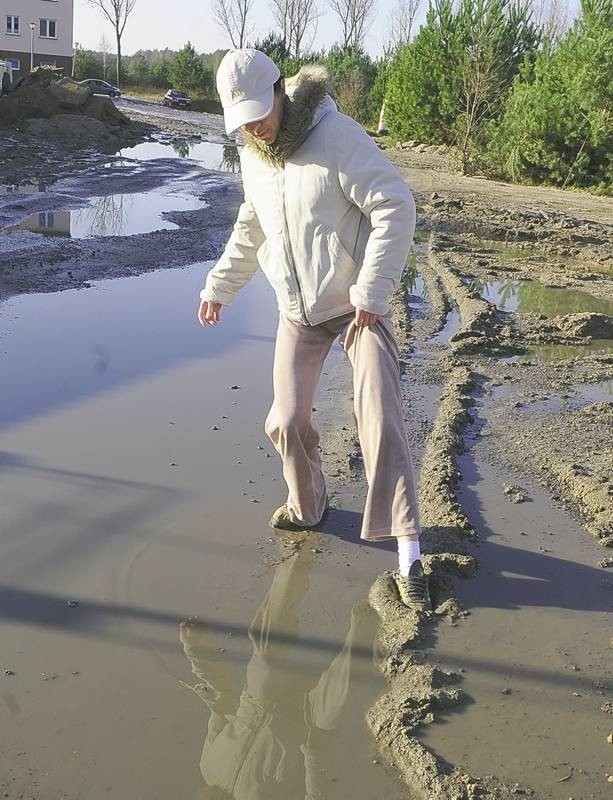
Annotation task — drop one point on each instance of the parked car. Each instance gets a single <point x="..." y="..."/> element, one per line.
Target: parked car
<point x="101" y="87"/>
<point x="176" y="99"/>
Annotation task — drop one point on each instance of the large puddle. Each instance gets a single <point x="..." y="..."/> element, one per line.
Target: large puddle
<point x="127" y="214"/>
<point x="111" y="215"/>
<point x="131" y="453"/>
<point x="531" y="297"/>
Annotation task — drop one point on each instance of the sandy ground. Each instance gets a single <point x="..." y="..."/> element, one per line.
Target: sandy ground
<point x="137" y="485"/>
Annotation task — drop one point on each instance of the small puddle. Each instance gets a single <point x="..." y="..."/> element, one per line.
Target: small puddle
<point x="220" y="157"/>
<point x="111" y="215"/>
<point x="531" y="297"/>
<point x="577" y="396"/>
<point x="547" y="353"/>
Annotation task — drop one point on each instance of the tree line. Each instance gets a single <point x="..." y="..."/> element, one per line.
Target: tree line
<point x="515" y="88"/>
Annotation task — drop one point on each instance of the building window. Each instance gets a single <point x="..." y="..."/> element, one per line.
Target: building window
<point x="47" y="29"/>
<point x="46" y="219"/>
<point x="44" y="62"/>
<point x="15" y="64"/>
<point x="12" y="25"/>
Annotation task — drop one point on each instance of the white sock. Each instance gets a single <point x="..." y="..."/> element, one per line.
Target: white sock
<point x="408" y="552"/>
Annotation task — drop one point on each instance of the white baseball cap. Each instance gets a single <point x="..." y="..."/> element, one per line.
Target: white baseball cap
<point x="244" y="81"/>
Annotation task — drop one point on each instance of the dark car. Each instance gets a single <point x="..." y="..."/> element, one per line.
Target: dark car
<point x="175" y="99"/>
<point x="101" y="87"/>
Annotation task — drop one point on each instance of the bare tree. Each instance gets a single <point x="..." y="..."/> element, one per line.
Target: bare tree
<point x="355" y="17"/>
<point x="117" y="13"/>
<point x="553" y="16"/>
<point x="105" y="49"/>
<point x="401" y="22"/>
<point x="232" y="17"/>
<point x="297" y="21"/>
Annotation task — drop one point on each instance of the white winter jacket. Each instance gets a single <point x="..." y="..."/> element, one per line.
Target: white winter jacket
<point x="326" y="216"/>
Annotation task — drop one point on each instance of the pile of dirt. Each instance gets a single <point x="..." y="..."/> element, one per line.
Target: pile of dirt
<point x="597" y="326"/>
<point x="47" y="105"/>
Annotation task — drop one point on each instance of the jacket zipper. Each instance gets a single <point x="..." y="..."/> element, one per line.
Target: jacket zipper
<point x="291" y="253"/>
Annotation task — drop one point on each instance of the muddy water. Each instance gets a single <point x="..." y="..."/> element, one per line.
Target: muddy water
<point x="135" y="486"/>
<point x="533" y="651"/>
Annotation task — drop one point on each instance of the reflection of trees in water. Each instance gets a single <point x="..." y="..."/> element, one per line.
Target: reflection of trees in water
<point x="107" y="216"/>
<point x="475" y="285"/>
<point x="230" y="161"/>
<point x="411" y="275"/>
<point x="501" y="292"/>
<point x="181" y="148"/>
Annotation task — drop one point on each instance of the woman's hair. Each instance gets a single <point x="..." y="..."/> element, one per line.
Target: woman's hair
<point x="278" y="84"/>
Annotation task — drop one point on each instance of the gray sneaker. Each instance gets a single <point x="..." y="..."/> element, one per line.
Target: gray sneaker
<point x="413" y="588"/>
<point x="280" y="520"/>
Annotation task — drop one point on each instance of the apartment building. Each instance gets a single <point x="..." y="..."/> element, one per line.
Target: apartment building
<point x="38" y="32"/>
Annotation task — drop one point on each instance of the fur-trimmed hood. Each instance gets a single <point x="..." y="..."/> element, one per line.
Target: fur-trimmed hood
<point x="306" y="102"/>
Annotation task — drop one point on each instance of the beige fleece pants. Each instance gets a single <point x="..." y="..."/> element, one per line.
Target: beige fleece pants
<point x="391" y="508"/>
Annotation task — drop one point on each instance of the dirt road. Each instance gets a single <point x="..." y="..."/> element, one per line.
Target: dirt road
<point x="137" y="484"/>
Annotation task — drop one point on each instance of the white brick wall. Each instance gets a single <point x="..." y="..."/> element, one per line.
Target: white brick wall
<point x="61" y="11"/>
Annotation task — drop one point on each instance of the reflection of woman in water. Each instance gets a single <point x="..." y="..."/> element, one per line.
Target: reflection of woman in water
<point x="273" y="740"/>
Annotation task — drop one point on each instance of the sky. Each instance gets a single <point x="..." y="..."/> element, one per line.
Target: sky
<point x="152" y="25"/>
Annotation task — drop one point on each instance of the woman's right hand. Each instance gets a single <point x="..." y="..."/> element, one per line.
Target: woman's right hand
<point x="209" y="313"/>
